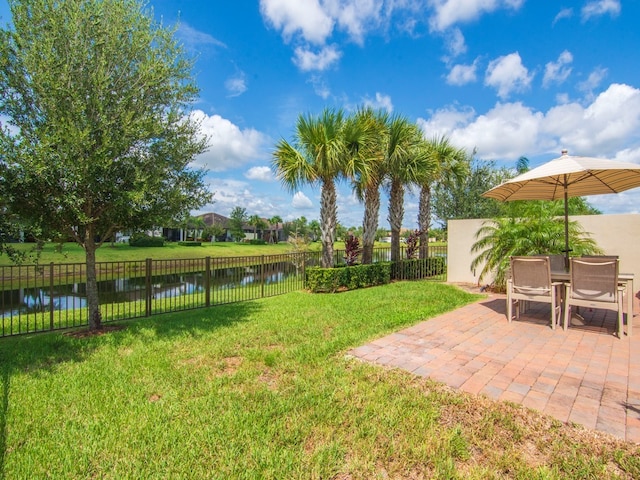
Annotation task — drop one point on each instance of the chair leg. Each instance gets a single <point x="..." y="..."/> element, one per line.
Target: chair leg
<point x="567" y="308"/>
<point x="620" y="330"/>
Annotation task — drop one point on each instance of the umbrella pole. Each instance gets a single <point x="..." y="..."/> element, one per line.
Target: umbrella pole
<point x="566" y="227"/>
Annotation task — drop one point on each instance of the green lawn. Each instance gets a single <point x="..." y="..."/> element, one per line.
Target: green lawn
<point x="264" y="389"/>
<point x="73" y="253"/>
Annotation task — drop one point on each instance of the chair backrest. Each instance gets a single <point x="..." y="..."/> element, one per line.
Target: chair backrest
<point x="531" y="275"/>
<point x="600" y="257"/>
<point x="594" y="278"/>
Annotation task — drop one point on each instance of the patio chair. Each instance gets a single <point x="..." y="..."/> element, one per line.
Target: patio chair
<point x="594" y="283"/>
<point x="531" y="282"/>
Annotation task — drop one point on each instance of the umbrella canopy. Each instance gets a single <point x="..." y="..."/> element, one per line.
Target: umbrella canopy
<point x="569" y="176"/>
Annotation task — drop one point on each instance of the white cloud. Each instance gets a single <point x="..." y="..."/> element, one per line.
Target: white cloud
<point x="306" y="18"/>
<point x="229" y="146"/>
<point x="320" y="87"/>
<point x="601" y="128"/>
<point x="451" y="12"/>
<point x="507" y="131"/>
<point x="301" y="202"/>
<point x="381" y="101"/>
<point x="608" y="126"/>
<point x="507" y="75"/>
<point x="263" y="174"/>
<point x="558" y="71"/>
<point x="306" y="60"/>
<point x="230" y="193"/>
<point x="355" y="16"/>
<point x="236" y="85"/>
<point x="593" y="81"/>
<point x="455" y="42"/>
<point x="192" y="37"/>
<point x="598" y="8"/>
<point x="564" y="13"/>
<point x="462" y="74"/>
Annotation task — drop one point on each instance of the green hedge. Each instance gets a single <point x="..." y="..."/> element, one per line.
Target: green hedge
<point x="347" y="278"/>
<point x="142" y="240"/>
<point x="257" y="241"/>
<point x="419" y="268"/>
<point x="190" y="244"/>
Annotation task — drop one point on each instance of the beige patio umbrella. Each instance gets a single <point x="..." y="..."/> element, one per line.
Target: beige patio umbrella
<point x="568" y="176"/>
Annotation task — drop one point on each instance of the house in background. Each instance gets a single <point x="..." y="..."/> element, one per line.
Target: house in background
<point x="265" y="234"/>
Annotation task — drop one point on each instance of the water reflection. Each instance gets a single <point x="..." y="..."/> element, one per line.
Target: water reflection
<point x="73" y="296"/>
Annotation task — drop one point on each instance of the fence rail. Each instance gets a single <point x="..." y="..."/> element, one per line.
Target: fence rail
<point x="39" y="298"/>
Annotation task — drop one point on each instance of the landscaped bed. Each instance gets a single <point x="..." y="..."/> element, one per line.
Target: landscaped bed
<point x="264" y="389"/>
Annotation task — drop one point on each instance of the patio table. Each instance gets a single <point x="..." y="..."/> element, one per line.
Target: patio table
<point x="623" y="278"/>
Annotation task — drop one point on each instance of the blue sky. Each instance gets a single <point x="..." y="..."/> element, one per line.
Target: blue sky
<point x="509" y="78"/>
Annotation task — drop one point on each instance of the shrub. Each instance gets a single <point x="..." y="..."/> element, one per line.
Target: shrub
<point x="257" y="241"/>
<point x="347" y="278"/>
<point x="144" y="240"/>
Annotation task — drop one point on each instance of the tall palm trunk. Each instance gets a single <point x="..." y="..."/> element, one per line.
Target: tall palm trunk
<point x="424" y="219"/>
<point x="396" y="213"/>
<point x="93" y="305"/>
<point x="328" y="221"/>
<point x="370" y="221"/>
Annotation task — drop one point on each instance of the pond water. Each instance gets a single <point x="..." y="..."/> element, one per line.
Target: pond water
<point x="73" y="296"/>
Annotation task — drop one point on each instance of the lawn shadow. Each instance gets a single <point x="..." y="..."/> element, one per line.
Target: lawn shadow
<point x="195" y="322"/>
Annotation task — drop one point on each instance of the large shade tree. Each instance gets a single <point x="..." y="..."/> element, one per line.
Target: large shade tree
<point x="463" y="198"/>
<point x="97" y="96"/>
<point x="324" y="151"/>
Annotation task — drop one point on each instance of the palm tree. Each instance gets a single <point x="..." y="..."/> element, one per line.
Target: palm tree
<point x="314" y="228"/>
<point x="257" y="223"/>
<point x="320" y="155"/>
<point x="193" y="226"/>
<point x="369" y="177"/>
<point x="274" y="221"/>
<point x="448" y="164"/>
<point x="404" y="160"/>
<point x="535" y="228"/>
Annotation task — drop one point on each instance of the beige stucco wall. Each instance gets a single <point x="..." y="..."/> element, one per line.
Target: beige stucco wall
<point x="615" y="234"/>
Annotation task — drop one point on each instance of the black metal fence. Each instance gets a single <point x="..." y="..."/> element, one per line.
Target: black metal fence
<point x="36" y="298"/>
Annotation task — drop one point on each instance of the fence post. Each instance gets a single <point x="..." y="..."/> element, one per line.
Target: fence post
<point x="148" y="292"/>
<point x="207" y="281"/>
<point x="51" y="307"/>
<point x="262" y="276"/>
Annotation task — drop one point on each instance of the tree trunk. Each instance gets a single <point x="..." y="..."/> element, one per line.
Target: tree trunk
<point x="396" y="212"/>
<point x="328" y="221"/>
<point x="424" y="219"/>
<point x="370" y="222"/>
<point x="93" y="305"/>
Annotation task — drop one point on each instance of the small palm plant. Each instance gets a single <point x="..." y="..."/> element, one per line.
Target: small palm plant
<point x="533" y="227"/>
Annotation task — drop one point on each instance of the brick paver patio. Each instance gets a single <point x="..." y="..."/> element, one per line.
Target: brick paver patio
<point x="585" y="375"/>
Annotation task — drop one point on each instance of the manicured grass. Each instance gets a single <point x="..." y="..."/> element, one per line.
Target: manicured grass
<point x="73" y="253"/>
<point x="264" y="389"/>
